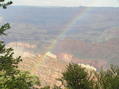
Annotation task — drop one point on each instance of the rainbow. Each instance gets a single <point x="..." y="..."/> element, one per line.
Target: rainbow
<point x="68" y="27"/>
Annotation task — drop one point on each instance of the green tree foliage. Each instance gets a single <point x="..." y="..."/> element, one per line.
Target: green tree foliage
<point x="76" y="78"/>
<point x="4" y="5"/>
<point x="10" y="76"/>
<point x="108" y="79"/>
<point x="4" y="28"/>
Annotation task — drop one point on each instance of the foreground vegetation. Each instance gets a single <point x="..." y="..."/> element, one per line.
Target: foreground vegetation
<point x="74" y="77"/>
<point x="77" y="77"/>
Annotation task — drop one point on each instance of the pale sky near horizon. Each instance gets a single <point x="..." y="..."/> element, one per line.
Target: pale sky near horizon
<point x="72" y="3"/>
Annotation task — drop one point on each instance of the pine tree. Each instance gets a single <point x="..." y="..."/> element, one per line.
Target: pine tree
<point x="108" y="79"/>
<point x="75" y="77"/>
<point x="10" y="75"/>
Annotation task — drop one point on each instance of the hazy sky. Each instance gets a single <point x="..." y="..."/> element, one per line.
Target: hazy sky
<point x="112" y="3"/>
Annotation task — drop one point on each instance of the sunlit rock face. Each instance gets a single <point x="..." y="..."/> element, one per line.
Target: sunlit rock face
<point x="27" y="54"/>
<point x="65" y="57"/>
<point x="90" y="70"/>
<point x="42" y="65"/>
<point x="87" y="67"/>
<point x="51" y="55"/>
<point x="47" y="66"/>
